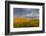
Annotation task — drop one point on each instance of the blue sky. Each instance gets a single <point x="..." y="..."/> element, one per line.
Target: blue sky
<point x="23" y="12"/>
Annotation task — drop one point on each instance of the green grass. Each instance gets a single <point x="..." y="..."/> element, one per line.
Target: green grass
<point x="32" y="23"/>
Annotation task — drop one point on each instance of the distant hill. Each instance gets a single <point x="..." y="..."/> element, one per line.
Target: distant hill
<point x="25" y="19"/>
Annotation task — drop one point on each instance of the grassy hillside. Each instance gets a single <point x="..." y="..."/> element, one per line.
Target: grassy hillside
<point x="23" y="22"/>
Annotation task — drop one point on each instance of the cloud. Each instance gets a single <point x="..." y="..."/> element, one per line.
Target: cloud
<point x="22" y="12"/>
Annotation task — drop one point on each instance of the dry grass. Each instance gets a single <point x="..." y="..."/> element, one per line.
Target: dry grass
<point x="23" y="22"/>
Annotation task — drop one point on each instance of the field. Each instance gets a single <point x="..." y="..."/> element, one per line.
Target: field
<point x="23" y="22"/>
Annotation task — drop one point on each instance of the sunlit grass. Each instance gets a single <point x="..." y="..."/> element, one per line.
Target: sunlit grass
<point x="25" y="23"/>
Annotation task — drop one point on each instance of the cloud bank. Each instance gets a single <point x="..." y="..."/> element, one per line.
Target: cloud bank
<point x="25" y="12"/>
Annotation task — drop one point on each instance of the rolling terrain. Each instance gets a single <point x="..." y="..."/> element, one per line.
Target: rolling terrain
<point x="25" y="22"/>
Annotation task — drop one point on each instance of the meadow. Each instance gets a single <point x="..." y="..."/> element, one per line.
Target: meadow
<point x="23" y="22"/>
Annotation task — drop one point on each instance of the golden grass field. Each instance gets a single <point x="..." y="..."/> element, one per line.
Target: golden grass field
<point x="23" y="22"/>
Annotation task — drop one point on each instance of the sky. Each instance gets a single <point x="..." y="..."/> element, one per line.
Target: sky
<point x="25" y="12"/>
